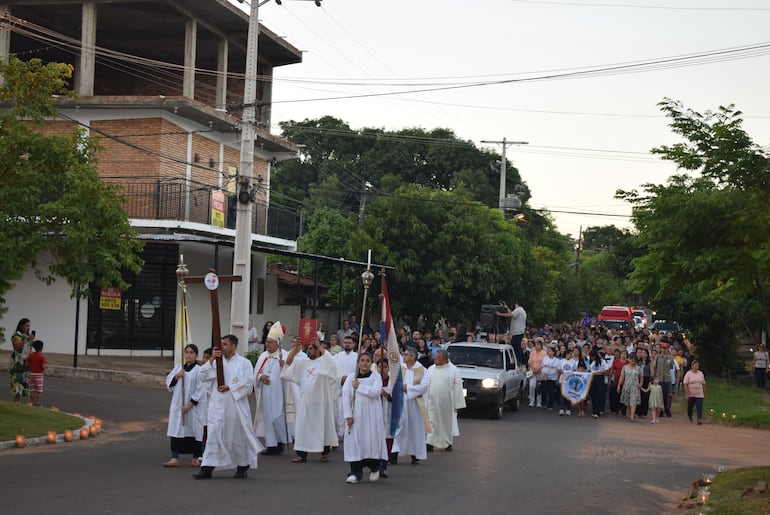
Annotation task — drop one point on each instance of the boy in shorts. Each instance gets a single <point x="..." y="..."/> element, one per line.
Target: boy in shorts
<point x="37" y="363"/>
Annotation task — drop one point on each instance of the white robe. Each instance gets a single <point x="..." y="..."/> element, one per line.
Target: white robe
<point x="445" y="397"/>
<point x="348" y="362"/>
<point x="269" y="417"/>
<point x="230" y="442"/>
<point x="191" y="424"/>
<point x="366" y="439"/>
<point x="410" y="437"/>
<point x="316" y="403"/>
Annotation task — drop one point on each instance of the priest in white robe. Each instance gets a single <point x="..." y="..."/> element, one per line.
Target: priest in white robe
<point x="364" y="443"/>
<point x="318" y="379"/>
<point x="347" y="360"/>
<point x="410" y="437"/>
<point x="445" y="397"/>
<point x="231" y="442"/>
<point x="270" y="391"/>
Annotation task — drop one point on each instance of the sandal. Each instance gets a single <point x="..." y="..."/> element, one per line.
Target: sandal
<point x="324" y="458"/>
<point x="298" y="459"/>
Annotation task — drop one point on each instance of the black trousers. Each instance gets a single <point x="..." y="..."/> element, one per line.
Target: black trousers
<point x="325" y="452"/>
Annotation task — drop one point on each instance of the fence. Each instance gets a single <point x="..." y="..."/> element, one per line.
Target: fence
<point x="189" y="201"/>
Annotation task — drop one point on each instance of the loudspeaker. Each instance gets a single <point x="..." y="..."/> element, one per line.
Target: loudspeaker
<point x="488" y="318"/>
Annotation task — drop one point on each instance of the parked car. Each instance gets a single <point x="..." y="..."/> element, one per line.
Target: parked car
<point x="491" y="377"/>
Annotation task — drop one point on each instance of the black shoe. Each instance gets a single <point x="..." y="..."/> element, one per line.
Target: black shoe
<point x="204" y="473"/>
<point x="241" y="473"/>
<point x="449" y="448"/>
<point x="270" y="451"/>
<point x="280" y="448"/>
<point x="668" y="414"/>
<point x="394" y="458"/>
<point x="414" y="461"/>
<point x="383" y="473"/>
<point x="429" y="448"/>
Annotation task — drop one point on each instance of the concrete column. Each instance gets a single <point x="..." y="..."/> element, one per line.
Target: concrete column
<point x="190" y="45"/>
<point x="222" y="56"/>
<point x="86" y="70"/>
<point x="5" y="35"/>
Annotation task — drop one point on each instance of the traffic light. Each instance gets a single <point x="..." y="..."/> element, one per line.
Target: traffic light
<point x="232" y="211"/>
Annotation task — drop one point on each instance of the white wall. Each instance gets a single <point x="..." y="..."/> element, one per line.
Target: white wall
<point x="50" y="309"/>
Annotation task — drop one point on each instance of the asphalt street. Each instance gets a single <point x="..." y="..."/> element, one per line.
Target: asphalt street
<point x="531" y="461"/>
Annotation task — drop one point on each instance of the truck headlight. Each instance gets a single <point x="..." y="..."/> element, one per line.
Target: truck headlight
<point x="489" y="383"/>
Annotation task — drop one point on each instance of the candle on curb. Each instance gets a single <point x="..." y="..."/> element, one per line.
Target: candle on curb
<point x="51" y="437"/>
<point x="93" y="430"/>
<point x="21" y="441"/>
<point x="83" y="433"/>
<point x="68" y="436"/>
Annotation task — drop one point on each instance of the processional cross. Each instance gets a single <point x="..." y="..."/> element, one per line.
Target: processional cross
<point x="211" y="280"/>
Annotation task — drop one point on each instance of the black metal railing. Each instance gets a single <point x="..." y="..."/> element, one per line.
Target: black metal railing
<point x="178" y="199"/>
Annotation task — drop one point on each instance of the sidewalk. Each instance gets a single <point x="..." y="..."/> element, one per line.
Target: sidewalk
<point x="150" y="370"/>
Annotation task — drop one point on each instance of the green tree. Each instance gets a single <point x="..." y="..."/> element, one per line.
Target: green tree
<point x="707" y="235"/>
<point x="52" y="200"/>
<point x="450" y="255"/>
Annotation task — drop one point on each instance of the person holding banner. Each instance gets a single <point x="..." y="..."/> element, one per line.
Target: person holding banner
<point x="630" y="388"/>
<point x="600" y="369"/>
<point x="567" y="365"/>
<point x="186" y="413"/>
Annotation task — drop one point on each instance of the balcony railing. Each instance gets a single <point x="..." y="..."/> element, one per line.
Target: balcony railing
<point x="188" y="201"/>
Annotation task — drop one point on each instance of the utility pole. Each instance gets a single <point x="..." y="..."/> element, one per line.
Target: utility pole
<point x="362" y="204"/>
<point x="241" y="292"/>
<point x="578" y="249"/>
<point x="505" y="143"/>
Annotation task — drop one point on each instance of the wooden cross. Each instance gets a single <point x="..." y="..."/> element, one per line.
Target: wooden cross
<point x="211" y="280"/>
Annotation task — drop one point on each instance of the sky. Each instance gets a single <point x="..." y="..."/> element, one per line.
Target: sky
<point x="587" y="136"/>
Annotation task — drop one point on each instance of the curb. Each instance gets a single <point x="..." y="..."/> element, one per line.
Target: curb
<point x="87" y="423"/>
<point x="98" y="374"/>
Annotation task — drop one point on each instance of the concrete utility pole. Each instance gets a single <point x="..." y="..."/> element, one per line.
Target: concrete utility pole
<point x="505" y="143"/>
<point x="241" y="292"/>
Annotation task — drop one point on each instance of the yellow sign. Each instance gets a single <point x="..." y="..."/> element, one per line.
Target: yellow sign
<point x="110" y="298"/>
<point x="218" y="209"/>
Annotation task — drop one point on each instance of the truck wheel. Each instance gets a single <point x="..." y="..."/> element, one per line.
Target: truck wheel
<point x="513" y="404"/>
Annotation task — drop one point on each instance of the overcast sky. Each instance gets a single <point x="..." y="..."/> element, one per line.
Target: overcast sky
<point x="588" y="136"/>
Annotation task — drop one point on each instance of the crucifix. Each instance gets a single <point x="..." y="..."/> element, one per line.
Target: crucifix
<point x="211" y="280"/>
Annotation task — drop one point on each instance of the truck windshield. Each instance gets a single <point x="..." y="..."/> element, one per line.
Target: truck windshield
<point x="479" y="357"/>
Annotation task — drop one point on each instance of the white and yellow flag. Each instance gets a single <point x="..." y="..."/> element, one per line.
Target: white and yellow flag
<point x="182" y="337"/>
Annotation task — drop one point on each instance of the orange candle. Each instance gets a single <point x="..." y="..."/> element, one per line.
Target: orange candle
<point x="68" y="436"/>
<point x="83" y="433"/>
<point x="93" y="430"/>
<point x="51" y="437"/>
<point x="21" y="441"/>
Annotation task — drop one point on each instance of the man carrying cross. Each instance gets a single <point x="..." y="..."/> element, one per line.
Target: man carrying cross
<point x="231" y="442"/>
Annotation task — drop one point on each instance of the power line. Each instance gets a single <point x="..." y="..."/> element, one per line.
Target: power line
<point x="638" y="6"/>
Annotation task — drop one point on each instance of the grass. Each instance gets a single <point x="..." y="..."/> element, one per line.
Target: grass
<point x="32" y="421"/>
<point x="742" y="404"/>
<point x="730" y="494"/>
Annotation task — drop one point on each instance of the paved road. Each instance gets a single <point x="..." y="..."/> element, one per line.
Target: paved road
<point x="530" y="462"/>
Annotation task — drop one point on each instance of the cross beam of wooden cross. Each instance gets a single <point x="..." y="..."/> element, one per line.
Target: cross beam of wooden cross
<point x="211" y="280"/>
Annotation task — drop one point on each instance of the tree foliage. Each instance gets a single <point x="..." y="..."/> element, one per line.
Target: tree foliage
<point x="52" y="200"/>
<point x="707" y="234"/>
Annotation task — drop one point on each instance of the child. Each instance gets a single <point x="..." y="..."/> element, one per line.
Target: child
<point x="581" y="405"/>
<point x="37" y="363"/>
<point x="656" y="398"/>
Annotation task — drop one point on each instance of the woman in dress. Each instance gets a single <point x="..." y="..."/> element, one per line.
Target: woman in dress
<point x="629" y="388"/>
<point x="619" y="361"/>
<point x="21" y="342"/>
<point x="364" y="443"/>
<point x="695" y="390"/>
<point x="187" y="412"/>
